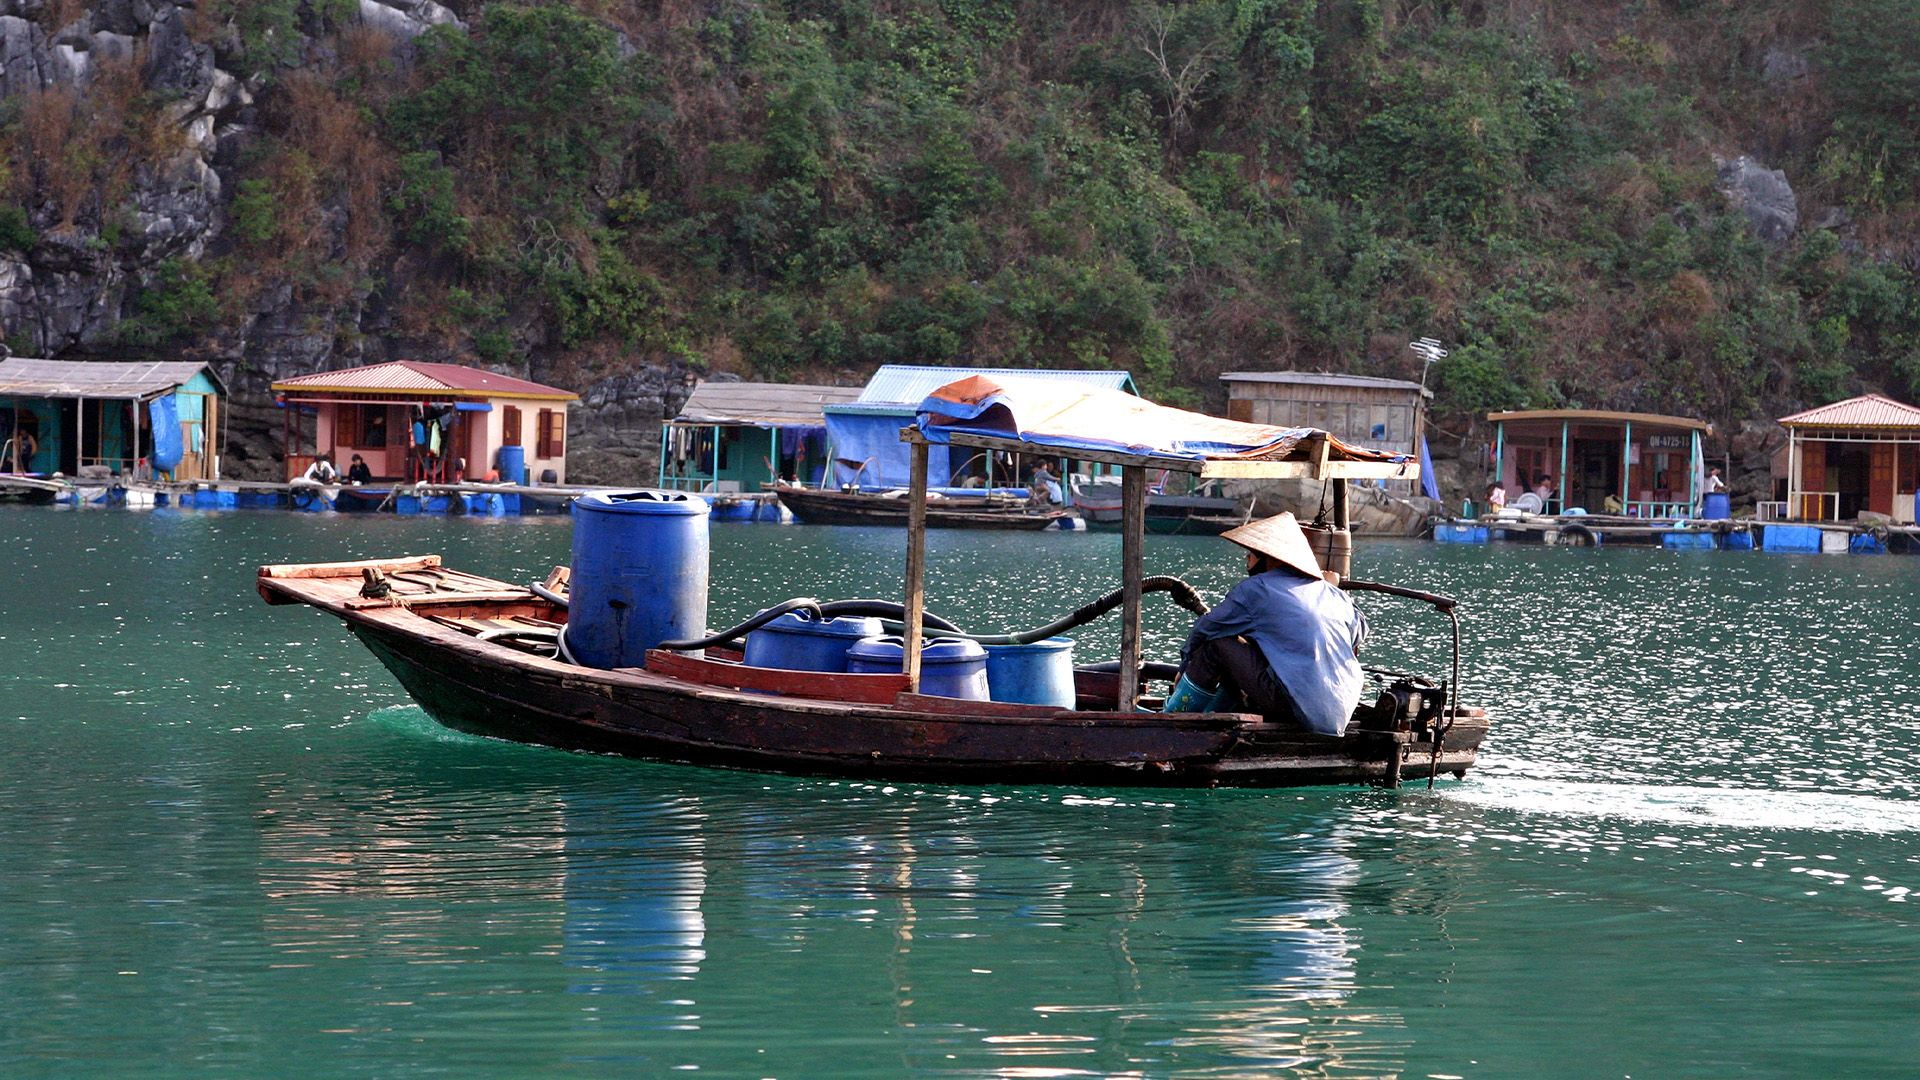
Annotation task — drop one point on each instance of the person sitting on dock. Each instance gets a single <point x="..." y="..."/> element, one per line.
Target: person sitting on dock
<point x="1544" y="489"/>
<point x="358" y="473"/>
<point x="1496" y="497"/>
<point x="1044" y="491"/>
<point x="1285" y="639"/>
<point x="319" y="474"/>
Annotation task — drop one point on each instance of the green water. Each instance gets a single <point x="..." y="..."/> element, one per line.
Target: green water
<point x="229" y="846"/>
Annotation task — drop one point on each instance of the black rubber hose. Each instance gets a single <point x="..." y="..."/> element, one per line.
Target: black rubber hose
<point x="1181" y="593"/>
<point x="804" y="603"/>
<point x="884" y="609"/>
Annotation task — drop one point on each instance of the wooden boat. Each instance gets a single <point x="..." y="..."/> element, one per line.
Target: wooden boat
<point x="816" y="507"/>
<point x="352" y="499"/>
<point x="450" y="639"/>
<point x="1100" y="503"/>
<point x="487" y="657"/>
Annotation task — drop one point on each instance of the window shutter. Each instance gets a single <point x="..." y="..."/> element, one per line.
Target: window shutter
<point x="544" y="433"/>
<point x="345" y="419"/>
<point x="509" y="426"/>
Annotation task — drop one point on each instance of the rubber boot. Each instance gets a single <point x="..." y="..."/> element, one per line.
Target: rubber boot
<point x="1189" y="697"/>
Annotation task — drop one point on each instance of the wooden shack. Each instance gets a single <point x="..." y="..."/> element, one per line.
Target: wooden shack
<point x="126" y="419"/>
<point x="1636" y="464"/>
<point x="441" y="423"/>
<point x="1359" y="410"/>
<point x="1862" y="454"/>
<point x="736" y="436"/>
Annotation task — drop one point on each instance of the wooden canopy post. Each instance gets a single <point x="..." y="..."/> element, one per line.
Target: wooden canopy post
<point x="916" y="599"/>
<point x="1342" y="559"/>
<point x="1565" y="430"/>
<point x="1133" y="530"/>
<point x="1626" y="469"/>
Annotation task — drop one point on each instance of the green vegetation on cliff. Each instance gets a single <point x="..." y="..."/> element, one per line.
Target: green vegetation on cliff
<point x="814" y="188"/>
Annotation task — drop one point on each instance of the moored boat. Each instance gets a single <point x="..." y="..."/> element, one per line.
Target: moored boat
<point x="816" y="507"/>
<point x="1100" y="503"/>
<point x="615" y="657"/>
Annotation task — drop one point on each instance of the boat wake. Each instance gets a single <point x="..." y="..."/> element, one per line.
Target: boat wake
<point x="1748" y="808"/>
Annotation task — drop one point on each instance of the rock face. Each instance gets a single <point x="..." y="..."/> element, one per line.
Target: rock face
<point x="71" y="294"/>
<point x="1763" y="194"/>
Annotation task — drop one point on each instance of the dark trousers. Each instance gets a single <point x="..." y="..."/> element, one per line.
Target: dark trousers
<point x="1238" y="666"/>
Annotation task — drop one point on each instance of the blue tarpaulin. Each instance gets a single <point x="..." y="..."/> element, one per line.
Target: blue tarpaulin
<point x="1069" y="418"/>
<point x="867" y="450"/>
<point x="166" y="433"/>
<point x="1428" y="486"/>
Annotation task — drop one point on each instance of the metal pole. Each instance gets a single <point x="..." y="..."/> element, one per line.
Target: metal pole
<point x="79" y="433"/>
<point x="1694" y="470"/>
<point x="716" y="459"/>
<point x="1793" y="474"/>
<point x="1563" y="467"/>
<point x="916" y="599"/>
<point x="1626" y="469"/>
<point x="665" y="430"/>
<point x="136" y="439"/>
<point x="1133" y="530"/>
<point x="1500" y="453"/>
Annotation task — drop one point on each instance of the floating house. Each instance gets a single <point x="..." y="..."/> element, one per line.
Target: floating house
<point x="440" y="423"/>
<point x="863" y="435"/>
<point x="1633" y="464"/>
<point x="130" y="419"/>
<point x="1862" y="454"/>
<point x="736" y="436"/>
<point x="1359" y="410"/>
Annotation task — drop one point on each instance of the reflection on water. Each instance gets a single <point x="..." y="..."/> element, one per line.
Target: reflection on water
<point x="232" y="847"/>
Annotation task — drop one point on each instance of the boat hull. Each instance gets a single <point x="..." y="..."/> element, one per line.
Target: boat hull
<point x="840" y="508"/>
<point x="587" y="710"/>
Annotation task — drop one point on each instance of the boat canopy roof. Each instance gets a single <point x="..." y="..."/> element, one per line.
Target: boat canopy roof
<point x="1095" y="424"/>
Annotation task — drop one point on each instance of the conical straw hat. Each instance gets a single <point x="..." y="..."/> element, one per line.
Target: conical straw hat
<point x="1279" y="538"/>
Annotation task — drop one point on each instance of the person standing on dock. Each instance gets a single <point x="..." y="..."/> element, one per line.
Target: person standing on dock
<point x="1714" y="484"/>
<point x="1496" y="497"/>
<point x="1285" y="639"/>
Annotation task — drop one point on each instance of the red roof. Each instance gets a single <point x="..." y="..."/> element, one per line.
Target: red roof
<point x="413" y="378"/>
<point x="1869" y="411"/>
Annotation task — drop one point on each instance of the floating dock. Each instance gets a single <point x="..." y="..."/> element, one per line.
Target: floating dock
<point x="478" y="500"/>
<point x="1685" y="534"/>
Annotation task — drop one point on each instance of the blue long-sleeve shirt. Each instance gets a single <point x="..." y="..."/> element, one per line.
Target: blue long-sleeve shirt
<point x="1309" y="632"/>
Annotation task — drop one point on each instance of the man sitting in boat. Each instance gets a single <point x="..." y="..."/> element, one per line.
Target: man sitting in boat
<point x="1284" y="640"/>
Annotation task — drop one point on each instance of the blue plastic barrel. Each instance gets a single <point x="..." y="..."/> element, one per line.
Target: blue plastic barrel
<point x="949" y="667"/>
<point x="639" y="575"/>
<point x="797" y="641"/>
<point x="1040" y="673"/>
<point x="1716" y="506"/>
<point x="513" y="464"/>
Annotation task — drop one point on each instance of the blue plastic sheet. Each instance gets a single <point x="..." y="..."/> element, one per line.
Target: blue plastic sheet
<point x="867" y="450"/>
<point x="166" y="433"/>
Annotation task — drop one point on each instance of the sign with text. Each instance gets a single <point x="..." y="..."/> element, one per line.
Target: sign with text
<point x="1667" y="442"/>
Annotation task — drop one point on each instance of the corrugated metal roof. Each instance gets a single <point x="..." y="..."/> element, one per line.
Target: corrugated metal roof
<point x="909" y="384"/>
<point x="414" y="377"/>
<point x="1867" y="411"/>
<point x="22" y="377"/>
<point x="1323" y="378"/>
<point x="761" y="404"/>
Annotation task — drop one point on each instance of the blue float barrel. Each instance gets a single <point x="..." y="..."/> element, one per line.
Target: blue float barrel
<point x="1039" y="673"/>
<point x="639" y="575"/>
<point x="1716" y="506"/>
<point x="513" y="464"/>
<point x="797" y="641"/>
<point x="949" y="667"/>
